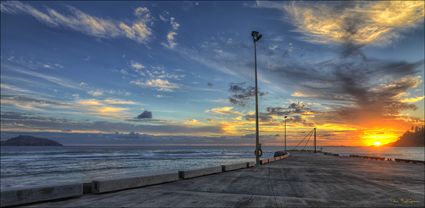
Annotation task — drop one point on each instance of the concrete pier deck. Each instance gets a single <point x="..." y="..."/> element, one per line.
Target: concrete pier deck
<point x="302" y="180"/>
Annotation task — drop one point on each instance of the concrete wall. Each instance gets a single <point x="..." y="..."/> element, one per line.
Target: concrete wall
<point x="236" y="166"/>
<point x="250" y="164"/>
<point x="374" y="158"/>
<point x="199" y="172"/>
<point x="264" y="161"/>
<point x="87" y="188"/>
<point x="38" y="194"/>
<point x="102" y="186"/>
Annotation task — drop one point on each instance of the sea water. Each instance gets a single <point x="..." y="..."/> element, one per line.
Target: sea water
<point x="34" y="166"/>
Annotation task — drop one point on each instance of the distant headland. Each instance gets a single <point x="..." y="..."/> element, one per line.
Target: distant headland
<point x="24" y="140"/>
<point x="413" y="138"/>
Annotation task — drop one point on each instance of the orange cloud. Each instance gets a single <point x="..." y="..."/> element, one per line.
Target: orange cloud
<point x="359" y="23"/>
<point x="224" y="111"/>
<point x="105" y="108"/>
<point x="413" y="99"/>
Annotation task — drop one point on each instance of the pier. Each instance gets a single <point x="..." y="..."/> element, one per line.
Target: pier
<point x="304" y="179"/>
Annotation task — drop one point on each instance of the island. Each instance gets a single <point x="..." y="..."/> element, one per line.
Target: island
<point x="24" y="140"/>
<point x="413" y="138"/>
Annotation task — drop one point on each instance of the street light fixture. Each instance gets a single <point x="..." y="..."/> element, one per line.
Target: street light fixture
<point x="256" y="36"/>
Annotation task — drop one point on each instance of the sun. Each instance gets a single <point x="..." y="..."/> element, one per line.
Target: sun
<point x="377" y="143"/>
<point x="379" y="137"/>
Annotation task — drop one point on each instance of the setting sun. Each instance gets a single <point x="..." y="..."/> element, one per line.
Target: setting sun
<point x="377" y="143"/>
<point x="379" y="137"/>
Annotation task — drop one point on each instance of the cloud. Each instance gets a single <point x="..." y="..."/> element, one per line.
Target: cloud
<point x="109" y="101"/>
<point x="143" y="12"/>
<point x="241" y="93"/>
<point x="412" y="99"/>
<point x="262" y="117"/>
<point x="33" y="104"/>
<point x="137" y="66"/>
<point x="108" y="108"/>
<point x="226" y="110"/>
<point x="353" y="89"/>
<point x="118" y="102"/>
<point x="171" y="35"/>
<point x="33" y="64"/>
<point x="159" y="84"/>
<point x="359" y="23"/>
<point x="174" y="24"/>
<point x="293" y="108"/>
<point x="15" y="121"/>
<point x="205" y="59"/>
<point x="296" y="112"/>
<point x="95" y="93"/>
<point x="98" y="108"/>
<point x="90" y="102"/>
<point x="193" y="122"/>
<point x="301" y="94"/>
<point x="11" y="89"/>
<point x="156" y="77"/>
<point x="28" y="77"/>
<point x="171" y="39"/>
<point x="52" y="79"/>
<point x="138" y="30"/>
<point x="223" y="52"/>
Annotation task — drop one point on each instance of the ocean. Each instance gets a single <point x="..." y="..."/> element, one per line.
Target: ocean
<point x="34" y="166"/>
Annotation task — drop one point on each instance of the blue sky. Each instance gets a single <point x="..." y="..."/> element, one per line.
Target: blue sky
<point x="94" y="66"/>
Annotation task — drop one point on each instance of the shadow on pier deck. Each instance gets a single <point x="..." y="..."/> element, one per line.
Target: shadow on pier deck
<point x="303" y="180"/>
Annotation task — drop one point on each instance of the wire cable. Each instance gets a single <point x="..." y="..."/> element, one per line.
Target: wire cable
<point x="309" y="133"/>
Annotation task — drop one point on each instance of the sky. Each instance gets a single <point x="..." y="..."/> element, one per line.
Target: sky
<point x="353" y="70"/>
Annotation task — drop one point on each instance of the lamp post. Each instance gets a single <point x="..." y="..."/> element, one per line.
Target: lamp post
<point x="285" y="131"/>
<point x="256" y="36"/>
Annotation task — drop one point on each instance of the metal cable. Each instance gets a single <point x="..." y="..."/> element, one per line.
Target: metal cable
<point x="310" y="132"/>
<point x="307" y="141"/>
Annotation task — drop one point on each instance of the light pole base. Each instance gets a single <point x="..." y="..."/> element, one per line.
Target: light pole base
<point x="258" y="154"/>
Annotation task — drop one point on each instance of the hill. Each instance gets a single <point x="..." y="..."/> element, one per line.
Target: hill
<point x="24" y="140"/>
<point x="410" y="139"/>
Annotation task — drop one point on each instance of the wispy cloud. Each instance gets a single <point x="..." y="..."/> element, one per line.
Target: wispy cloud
<point x="136" y="65"/>
<point x="111" y="108"/>
<point x="6" y="88"/>
<point x="412" y="99"/>
<point x="242" y="93"/>
<point x="13" y="121"/>
<point x="95" y="93"/>
<point x="106" y="108"/>
<point x="119" y="102"/>
<point x="138" y="30"/>
<point x="171" y="35"/>
<point x="156" y="77"/>
<point x="49" y="78"/>
<point x="357" y="22"/>
<point x="32" y="63"/>
<point x="160" y="84"/>
<point x="359" y="91"/>
<point x="226" y="110"/>
<point x="33" y="104"/>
